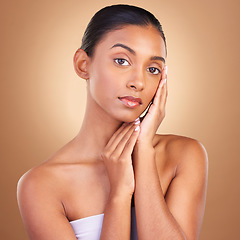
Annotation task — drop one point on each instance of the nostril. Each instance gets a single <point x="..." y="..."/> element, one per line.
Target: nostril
<point x="132" y="86"/>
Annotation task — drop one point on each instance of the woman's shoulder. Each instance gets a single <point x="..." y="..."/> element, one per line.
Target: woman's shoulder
<point x="177" y="143"/>
<point x="171" y="139"/>
<point x="41" y="192"/>
<point x="181" y="149"/>
<point x="53" y="170"/>
<point x="47" y="176"/>
<point x="37" y="181"/>
<point x="55" y="177"/>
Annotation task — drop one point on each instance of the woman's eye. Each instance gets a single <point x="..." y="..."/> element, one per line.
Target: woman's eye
<point x="154" y="70"/>
<point x="121" y="61"/>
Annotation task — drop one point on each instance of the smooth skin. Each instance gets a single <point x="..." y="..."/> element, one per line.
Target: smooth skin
<point x="111" y="157"/>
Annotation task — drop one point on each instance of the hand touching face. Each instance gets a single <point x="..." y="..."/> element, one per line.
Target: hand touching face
<point x="156" y="112"/>
<point x="125" y="71"/>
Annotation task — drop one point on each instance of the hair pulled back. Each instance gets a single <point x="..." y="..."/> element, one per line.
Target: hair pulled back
<point x="115" y="17"/>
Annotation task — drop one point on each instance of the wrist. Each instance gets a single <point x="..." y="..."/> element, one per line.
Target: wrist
<point x="115" y="198"/>
<point x="143" y="158"/>
<point x="144" y="147"/>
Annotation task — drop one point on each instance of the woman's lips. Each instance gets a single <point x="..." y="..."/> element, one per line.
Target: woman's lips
<point x="130" y="101"/>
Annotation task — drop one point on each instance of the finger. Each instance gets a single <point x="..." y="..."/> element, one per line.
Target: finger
<point x="124" y="127"/>
<point x="160" y="90"/>
<point x="128" y="149"/>
<point x="122" y="143"/>
<point x="157" y="98"/>
<point x="164" y="72"/>
<point x="164" y="89"/>
<point x="114" y="140"/>
<point x="164" y="96"/>
<point x="118" y="135"/>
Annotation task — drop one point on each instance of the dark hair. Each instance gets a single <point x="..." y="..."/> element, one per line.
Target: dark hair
<point x="115" y="17"/>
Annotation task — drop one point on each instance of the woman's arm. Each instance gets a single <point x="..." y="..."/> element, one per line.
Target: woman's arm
<point x="42" y="212"/>
<point x="116" y="222"/>
<point x="118" y="160"/>
<point x="179" y="215"/>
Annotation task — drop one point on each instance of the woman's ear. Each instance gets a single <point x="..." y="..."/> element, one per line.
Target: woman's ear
<point x="81" y="63"/>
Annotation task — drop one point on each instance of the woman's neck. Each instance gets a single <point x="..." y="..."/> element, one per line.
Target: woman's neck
<point x="96" y="130"/>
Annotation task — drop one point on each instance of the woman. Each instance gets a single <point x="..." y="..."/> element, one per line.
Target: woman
<point x="118" y="179"/>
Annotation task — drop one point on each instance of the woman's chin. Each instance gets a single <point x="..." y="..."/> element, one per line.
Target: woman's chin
<point x="129" y="118"/>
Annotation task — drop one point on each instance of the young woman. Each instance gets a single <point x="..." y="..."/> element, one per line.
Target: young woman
<point x="118" y="179"/>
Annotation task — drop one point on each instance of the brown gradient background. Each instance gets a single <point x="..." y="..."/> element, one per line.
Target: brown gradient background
<point x="43" y="100"/>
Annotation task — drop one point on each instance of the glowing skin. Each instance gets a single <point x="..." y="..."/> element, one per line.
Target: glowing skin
<point x="107" y="161"/>
<point x="126" y="63"/>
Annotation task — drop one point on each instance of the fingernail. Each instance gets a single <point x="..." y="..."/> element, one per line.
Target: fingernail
<point x="137" y="128"/>
<point x="166" y="68"/>
<point x="137" y="121"/>
<point x="163" y="81"/>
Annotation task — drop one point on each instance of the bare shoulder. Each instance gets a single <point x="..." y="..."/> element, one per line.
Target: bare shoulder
<point x="40" y="194"/>
<point x="49" y="181"/>
<point x="35" y="175"/>
<point x="62" y="186"/>
<point x="181" y="149"/>
<point x="186" y="194"/>
<point x="51" y="176"/>
<point x="36" y="184"/>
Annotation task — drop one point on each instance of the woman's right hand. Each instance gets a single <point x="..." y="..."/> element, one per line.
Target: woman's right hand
<point x="117" y="157"/>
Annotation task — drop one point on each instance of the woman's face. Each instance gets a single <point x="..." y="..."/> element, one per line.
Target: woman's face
<point x="125" y="71"/>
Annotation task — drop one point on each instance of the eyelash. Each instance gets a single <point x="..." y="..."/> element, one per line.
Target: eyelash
<point x="116" y="60"/>
<point x="154" y="70"/>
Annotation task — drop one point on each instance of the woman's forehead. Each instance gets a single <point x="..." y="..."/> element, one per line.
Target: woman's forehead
<point x="136" y="38"/>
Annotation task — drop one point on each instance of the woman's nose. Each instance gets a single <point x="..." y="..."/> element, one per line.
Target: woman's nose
<point x="137" y="82"/>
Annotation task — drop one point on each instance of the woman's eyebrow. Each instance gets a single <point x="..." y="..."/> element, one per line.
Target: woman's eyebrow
<point x="158" y="58"/>
<point x="134" y="53"/>
<point x="124" y="46"/>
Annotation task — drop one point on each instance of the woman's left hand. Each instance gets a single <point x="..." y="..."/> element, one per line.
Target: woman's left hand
<point x="156" y="112"/>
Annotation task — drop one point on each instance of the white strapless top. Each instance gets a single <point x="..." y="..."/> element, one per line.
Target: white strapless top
<point x="89" y="228"/>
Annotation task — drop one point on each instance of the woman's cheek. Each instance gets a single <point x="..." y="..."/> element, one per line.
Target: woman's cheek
<point x="149" y="98"/>
<point x="153" y="90"/>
